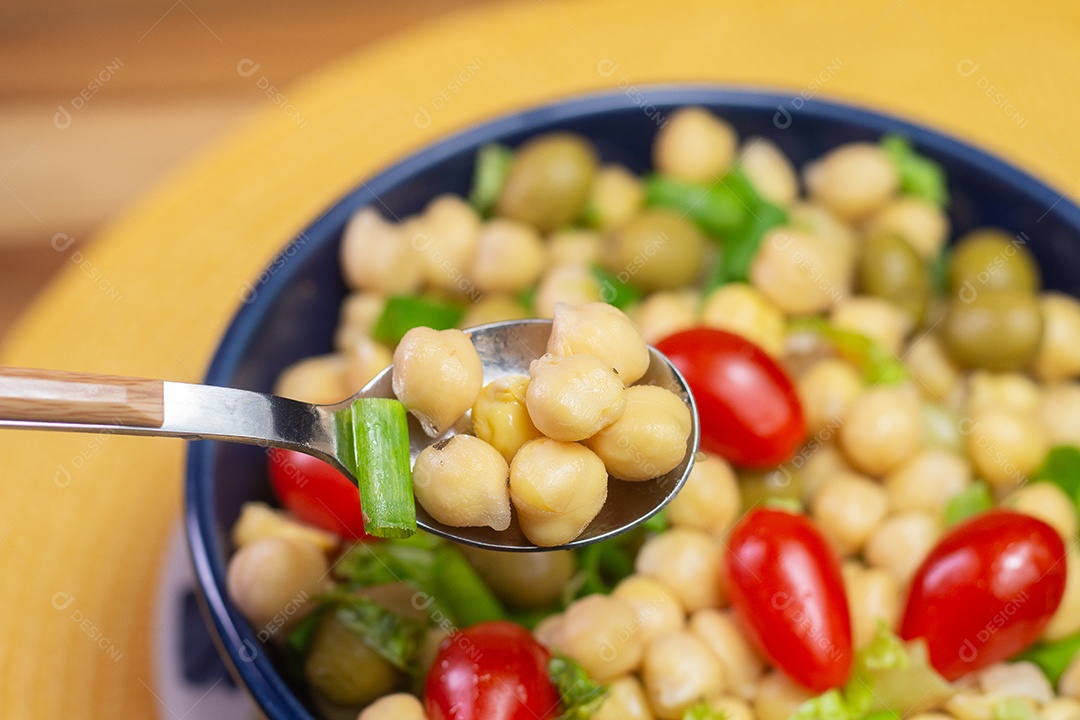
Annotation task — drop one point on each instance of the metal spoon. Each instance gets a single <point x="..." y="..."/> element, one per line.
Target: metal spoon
<point x="80" y="402"/>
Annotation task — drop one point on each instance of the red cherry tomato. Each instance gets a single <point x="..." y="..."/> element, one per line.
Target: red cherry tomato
<point x="491" y="671"/>
<point x="316" y="493"/>
<point x="747" y="404"/>
<point x="785" y="586"/>
<point x="986" y="591"/>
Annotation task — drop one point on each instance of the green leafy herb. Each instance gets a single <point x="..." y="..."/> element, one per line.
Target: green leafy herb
<point x="382" y="469"/>
<point x="613" y="290"/>
<point x="492" y="164"/>
<point x="703" y="711"/>
<point x="1053" y="658"/>
<point x="408" y="560"/>
<point x="459" y="586"/>
<point x="299" y="639"/>
<point x="657" y="523"/>
<point x="716" y="211"/>
<point x="1062" y="467"/>
<point x="580" y="697"/>
<point x="1013" y="708"/>
<point x="402" y="313"/>
<point x="878" y="364"/>
<point x="527" y="297"/>
<point x="970" y="501"/>
<point x="920" y="176"/>
<point x="389" y="635"/>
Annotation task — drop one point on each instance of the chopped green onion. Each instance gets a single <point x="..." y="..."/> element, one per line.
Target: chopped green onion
<point x="492" y="164"/>
<point x="404" y="312"/>
<point x="1053" y="658"/>
<point x="740" y="247"/>
<point x="702" y="711"/>
<point x="614" y="291"/>
<point x="580" y="697"/>
<point x="457" y="584"/>
<point x="920" y="176"/>
<point x="970" y="501"/>
<point x="1062" y="467"/>
<point x="382" y="470"/>
<point x="878" y="364"/>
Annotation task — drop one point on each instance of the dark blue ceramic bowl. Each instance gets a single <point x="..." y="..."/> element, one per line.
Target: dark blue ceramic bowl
<point x="292" y="312"/>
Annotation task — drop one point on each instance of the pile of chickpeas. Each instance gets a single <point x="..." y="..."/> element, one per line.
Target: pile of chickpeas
<point x="992" y="366"/>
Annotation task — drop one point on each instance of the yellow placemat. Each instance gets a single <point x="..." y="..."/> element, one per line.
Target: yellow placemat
<point x="83" y="519"/>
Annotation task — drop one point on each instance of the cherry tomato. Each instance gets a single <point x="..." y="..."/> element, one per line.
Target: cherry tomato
<point x="785" y="586"/>
<point x="747" y="404"/>
<point x="986" y="591"/>
<point x="316" y="493"/>
<point x="491" y="671"/>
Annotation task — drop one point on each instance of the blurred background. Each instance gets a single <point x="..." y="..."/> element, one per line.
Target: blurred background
<point x="101" y="100"/>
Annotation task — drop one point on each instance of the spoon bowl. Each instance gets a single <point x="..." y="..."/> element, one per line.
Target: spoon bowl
<point x="80" y="402"/>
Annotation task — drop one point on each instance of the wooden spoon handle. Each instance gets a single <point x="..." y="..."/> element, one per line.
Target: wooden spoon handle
<point x="72" y="397"/>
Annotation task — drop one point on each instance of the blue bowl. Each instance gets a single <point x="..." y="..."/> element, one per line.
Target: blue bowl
<point x="291" y="313"/>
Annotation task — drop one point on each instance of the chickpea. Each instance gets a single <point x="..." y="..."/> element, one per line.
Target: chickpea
<point x="1066" y="619"/>
<point x="769" y="171"/>
<point x="359" y="313"/>
<point x="1058" y="356"/>
<point x="873" y="597"/>
<point x="272" y="580"/>
<point x="530" y="581"/>
<point x="921" y="223"/>
<point x="574" y="246"/>
<point x="742" y="309"/>
<point x="509" y="257"/>
<point x="927" y="481"/>
<point x="572" y="284"/>
<point x="493" y="308"/>
<point x="970" y="704"/>
<point x="549" y="181"/>
<point x="689" y="562"/>
<point x="649" y="438"/>
<point x="548" y="632"/>
<point x="573" y="397"/>
<point x="853" y="180"/>
<point x="1016" y="680"/>
<point x="710" y="498"/>
<point x="679" y="670"/>
<point x="616" y="197"/>
<point x="363" y="361"/>
<point x="826" y="390"/>
<point x="319" y="379"/>
<point x="259" y="521"/>
<point x="343" y="669"/>
<point x="666" y="313"/>
<point x="1059" y="414"/>
<point x="557" y="489"/>
<point x="437" y="376"/>
<point x="821" y="465"/>
<point x="1061" y="709"/>
<point x="881" y="429"/>
<point x="462" y="482"/>
<point x="604" y="331"/>
<point x="798" y="273"/>
<point x="500" y="417"/>
<point x="658" y="249"/>
<point x="444" y="240"/>
<point x="658" y="611"/>
<point x="721" y="632"/>
<point x="941" y="429"/>
<point x="599" y="632"/>
<point x="930" y="365"/>
<point x="1004" y="447"/>
<point x="625" y="700"/>
<point x="875" y="318"/>
<point x="375" y="255"/>
<point x="399" y="706"/>
<point x="901" y="543"/>
<point x="1069" y="684"/>
<point x="1049" y="503"/>
<point x="819" y="221"/>
<point x="777" y="698"/>
<point x="694" y="145"/>
<point x="847" y="508"/>
<point x="1008" y="391"/>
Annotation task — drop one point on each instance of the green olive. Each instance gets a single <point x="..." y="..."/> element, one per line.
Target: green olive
<point x="781" y="483"/>
<point x="991" y="259"/>
<point x="657" y="250"/>
<point x="890" y="268"/>
<point x="343" y="669"/>
<point x="996" y="330"/>
<point x="549" y="181"/>
<point x="527" y="581"/>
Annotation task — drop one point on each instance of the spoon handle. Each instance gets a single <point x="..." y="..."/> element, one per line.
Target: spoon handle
<point x="56" y="396"/>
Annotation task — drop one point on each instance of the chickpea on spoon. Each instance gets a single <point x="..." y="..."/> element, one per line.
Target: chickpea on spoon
<point x="465" y="485"/>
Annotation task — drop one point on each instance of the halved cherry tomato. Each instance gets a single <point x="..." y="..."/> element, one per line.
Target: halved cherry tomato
<point x="491" y="671"/>
<point x="986" y="591"/>
<point x="785" y="586"/>
<point x="747" y="404"/>
<point x="316" y="493"/>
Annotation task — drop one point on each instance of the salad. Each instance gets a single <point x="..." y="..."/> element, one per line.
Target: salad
<point x="883" y="519"/>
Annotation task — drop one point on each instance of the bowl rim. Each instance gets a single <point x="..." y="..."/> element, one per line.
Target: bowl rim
<point x="236" y="642"/>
